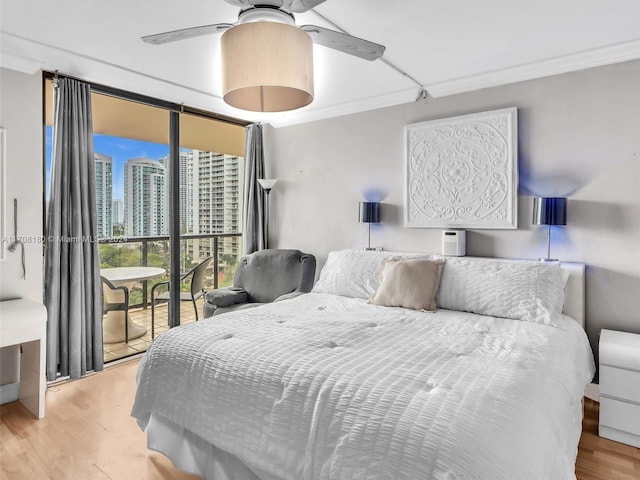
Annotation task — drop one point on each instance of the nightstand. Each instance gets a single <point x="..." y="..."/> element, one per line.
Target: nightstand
<point x="619" y="354"/>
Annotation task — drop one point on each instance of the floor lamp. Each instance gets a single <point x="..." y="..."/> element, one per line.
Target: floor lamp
<point x="267" y="184"/>
<point x="549" y="211"/>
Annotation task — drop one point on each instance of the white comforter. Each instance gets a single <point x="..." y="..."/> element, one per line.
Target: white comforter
<point x="329" y="387"/>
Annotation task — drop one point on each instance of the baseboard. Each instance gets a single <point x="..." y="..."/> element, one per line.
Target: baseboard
<point x="592" y="391"/>
<point x="619" y="436"/>
<point x="9" y="392"/>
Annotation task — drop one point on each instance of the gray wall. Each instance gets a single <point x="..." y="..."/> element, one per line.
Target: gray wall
<point x="579" y="136"/>
<point x="21" y="116"/>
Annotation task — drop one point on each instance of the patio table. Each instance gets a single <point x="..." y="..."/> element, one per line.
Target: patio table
<point x="113" y="327"/>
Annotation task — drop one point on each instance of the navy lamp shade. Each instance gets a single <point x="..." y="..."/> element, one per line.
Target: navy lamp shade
<point x="549" y="211"/>
<point x="369" y="213"/>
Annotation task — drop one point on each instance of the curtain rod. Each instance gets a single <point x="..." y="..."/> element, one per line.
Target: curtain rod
<point x="147" y="100"/>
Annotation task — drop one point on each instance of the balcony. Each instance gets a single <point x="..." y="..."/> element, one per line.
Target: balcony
<point x="155" y="252"/>
<point x="142" y="316"/>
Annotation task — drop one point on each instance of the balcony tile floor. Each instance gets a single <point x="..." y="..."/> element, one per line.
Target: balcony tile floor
<point x="141" y="316"/>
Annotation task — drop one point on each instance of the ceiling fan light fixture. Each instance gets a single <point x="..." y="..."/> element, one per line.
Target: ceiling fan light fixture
<point x="267" y="67"/>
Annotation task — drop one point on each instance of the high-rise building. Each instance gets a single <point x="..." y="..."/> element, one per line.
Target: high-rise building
<point x="117" y="212"/>
<point x="104" y="193"/>
<point x="145" y="198"/>
<point x="233" y="202"/>
<point x="213" y="200"/>
<point x="182" y="194"/>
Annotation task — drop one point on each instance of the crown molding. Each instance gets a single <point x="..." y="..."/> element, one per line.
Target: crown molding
<point x="596" y="57"/>
<point x="19" y="64"/>
<point x="95" y="69"/>
<point x="349" y="108"/>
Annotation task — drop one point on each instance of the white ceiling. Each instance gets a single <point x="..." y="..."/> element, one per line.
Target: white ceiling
<point x="447" y="46"/>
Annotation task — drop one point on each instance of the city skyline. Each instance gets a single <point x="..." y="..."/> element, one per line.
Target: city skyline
<point x="132" y="192"/>
<point x="119" y="149"/>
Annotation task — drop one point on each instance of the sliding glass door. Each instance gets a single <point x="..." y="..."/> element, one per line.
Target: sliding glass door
<point x="168" y="196"/>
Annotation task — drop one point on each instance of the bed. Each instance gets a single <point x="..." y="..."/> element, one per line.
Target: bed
<point x="331" y="385"/>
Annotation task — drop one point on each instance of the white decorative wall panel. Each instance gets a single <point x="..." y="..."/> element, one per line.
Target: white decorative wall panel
<point x="462" y="172"/>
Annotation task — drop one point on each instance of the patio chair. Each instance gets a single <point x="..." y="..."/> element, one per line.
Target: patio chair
<point x="196" y="290"/>
<point x="116" y="299"/>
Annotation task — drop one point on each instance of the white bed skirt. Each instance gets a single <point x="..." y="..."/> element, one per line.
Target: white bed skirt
<point x="192" y="454"/>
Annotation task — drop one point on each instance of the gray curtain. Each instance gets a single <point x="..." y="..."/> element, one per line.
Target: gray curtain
<point x="73" y="292"/>
<point x="254" y="231"/>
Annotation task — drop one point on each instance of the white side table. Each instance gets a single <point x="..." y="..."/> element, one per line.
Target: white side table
<point x="24" y="322"/>
<point x="619" y="354"/>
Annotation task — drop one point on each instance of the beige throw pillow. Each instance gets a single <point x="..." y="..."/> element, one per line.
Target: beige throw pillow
<point x="409" y="283"/>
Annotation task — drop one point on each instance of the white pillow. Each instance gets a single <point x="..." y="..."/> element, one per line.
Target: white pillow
<point x="523" y="290"/>
<point x="355" y="273"/>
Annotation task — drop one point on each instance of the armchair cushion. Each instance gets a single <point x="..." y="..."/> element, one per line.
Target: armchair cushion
<point x="224" y="297"/>
<point x="265" y="276"/>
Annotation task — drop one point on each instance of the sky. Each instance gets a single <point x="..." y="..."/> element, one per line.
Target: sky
<point x="120" y="150"/>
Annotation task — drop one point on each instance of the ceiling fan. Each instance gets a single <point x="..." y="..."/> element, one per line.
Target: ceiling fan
<point x="281" y="11"/>
<point x="267" y="60"/>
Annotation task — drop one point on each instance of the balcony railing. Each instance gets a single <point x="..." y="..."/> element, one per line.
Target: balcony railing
<point x="154" y="251"/>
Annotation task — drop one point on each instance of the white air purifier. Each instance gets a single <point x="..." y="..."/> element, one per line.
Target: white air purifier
<point x="454" y="243"/>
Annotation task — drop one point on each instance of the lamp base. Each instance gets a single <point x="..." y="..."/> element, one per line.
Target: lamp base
<point x="548" y="260"/>
<point x="369" y="248"/>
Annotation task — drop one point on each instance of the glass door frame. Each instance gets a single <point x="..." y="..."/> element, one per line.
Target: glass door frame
<point x="175" y="110"/>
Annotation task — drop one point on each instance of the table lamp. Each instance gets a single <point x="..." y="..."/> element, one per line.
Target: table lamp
<point x="369" y="213"/>
<point x="549" y="211"/>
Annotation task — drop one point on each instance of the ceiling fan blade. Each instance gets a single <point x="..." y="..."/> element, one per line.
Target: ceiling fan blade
<point x="301" y="6"/>
<point x="175" y="35"/>
<point x="345" y="43"/>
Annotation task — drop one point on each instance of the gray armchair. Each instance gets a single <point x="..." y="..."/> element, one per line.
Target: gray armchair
<point x="262" y="277"/>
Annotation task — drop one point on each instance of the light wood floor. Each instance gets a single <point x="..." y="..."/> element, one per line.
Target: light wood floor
<point x="88" y="434"/>
<point x="602" y="459"/>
